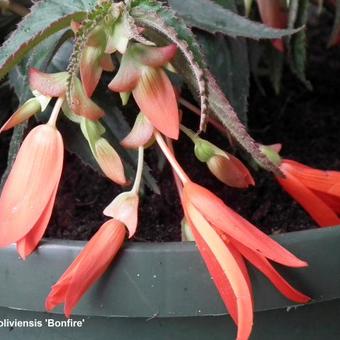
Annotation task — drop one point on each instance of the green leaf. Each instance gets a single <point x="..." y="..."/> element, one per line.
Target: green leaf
<point x="298" y="16"/>
<point x="211" y="17"/>
<point x="227" y="59"/>
<point x="46" y="18"/>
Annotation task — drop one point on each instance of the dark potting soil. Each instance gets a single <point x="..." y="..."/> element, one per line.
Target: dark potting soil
<point x="306" y="123"/>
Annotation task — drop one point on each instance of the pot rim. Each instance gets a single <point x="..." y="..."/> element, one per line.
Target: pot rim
<point x="166" y="279"/>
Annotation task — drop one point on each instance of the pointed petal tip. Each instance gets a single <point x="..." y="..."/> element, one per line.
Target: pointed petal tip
<point x="48" y="84"/>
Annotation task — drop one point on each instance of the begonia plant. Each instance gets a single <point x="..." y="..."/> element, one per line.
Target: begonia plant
<point x="146" y="48"/>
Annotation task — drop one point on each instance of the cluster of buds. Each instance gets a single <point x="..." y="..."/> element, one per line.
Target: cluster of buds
<point x="223" y="237"/>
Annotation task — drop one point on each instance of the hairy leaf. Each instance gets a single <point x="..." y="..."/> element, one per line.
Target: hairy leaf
<point x="297" y="44"/>
<point x="211" y="17"/>
<point x="46" y="18"/>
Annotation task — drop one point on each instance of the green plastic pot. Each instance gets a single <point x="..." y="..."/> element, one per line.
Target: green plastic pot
<point x="163" y="291"/>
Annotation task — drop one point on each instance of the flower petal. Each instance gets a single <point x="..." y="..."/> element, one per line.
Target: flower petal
<point x="127" y="76"/>
<point x="230" y="171"/>
<point x="318" y="180"/>
<point x="109" y="161"/>
<point x="264" y="266"/>
<point x="210" y="244"/>
<point x="224" y="218"/>
<point x="274" y="14"/>
<point x="51" y="85"/>
<point x="29" y="242"/>
<point x="141" y="133"/>
<point x="95" y="259"/>
<point x="90" y="68"/>
<point x="316" y="208"/>
<point x="124" y="208"/>
<point x="26" y="111"/>
<point x="81" y="104"/>
<point x="156" y="56"/>
<point x="106" y="63"/>
<point x="156" y="98"/>
<point x="332" y="201"/>
<point x="31" y="183"/>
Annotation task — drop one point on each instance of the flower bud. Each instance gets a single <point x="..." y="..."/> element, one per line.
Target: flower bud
<point x="109" y="161"/>
<point x="26" y="111"/>
<point x="105" y="155"/>
<point x="230" y="171"/>
<point x="226" y="167"/>
<point x="272" y="153"/>
<point x="204" y="150"/>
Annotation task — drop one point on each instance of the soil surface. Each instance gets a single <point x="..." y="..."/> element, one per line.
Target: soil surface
<point x="306" y="123"/>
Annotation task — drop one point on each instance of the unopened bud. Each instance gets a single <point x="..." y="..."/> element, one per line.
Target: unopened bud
<point x="271" y="153"/>
<point x="26" y="111"/>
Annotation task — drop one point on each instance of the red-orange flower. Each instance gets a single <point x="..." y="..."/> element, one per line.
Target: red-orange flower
<point x="28" y="196"/>
<point x="88" y="267"/>
<point x="224" y="238"/>
<point x="318" y="191"/>
<point x="141" y="73"/>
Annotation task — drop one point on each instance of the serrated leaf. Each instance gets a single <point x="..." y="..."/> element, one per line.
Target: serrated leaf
<point x="227" y="59"/>
<point x="211" y="17"/>
<point x="46" y="18"/>
<point x="298" y="16"/>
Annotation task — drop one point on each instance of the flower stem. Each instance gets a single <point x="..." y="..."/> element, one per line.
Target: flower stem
<point x="178" y="182"/>
<point x="197" y="111"/>
<point x="171" y="158"/>
<point x="139" y="172"/>
<point x="188" y="132"/>
<point x="54" y="115"/>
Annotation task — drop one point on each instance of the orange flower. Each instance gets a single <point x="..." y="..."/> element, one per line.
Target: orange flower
<point x="55" y="85"/>
<point x="224" y="238"/>
<point x="141" y="73"/>
<point x="318" y="191"/>
<point x="29" y="193"/>
<point x="88" y="267"/>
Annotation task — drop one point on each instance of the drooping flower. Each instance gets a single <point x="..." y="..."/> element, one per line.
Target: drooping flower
<point x="224" y="238"/>
<point x="55" y="85"/>
<point x="318" y="191"/>
<point x="274" y="14"/>
<point x="94" y="60"/>
<point x="141" y="73"/>
<point x="29" y="193"/>
<point x="106" y="156"/>
<point x="88" y="267"/>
